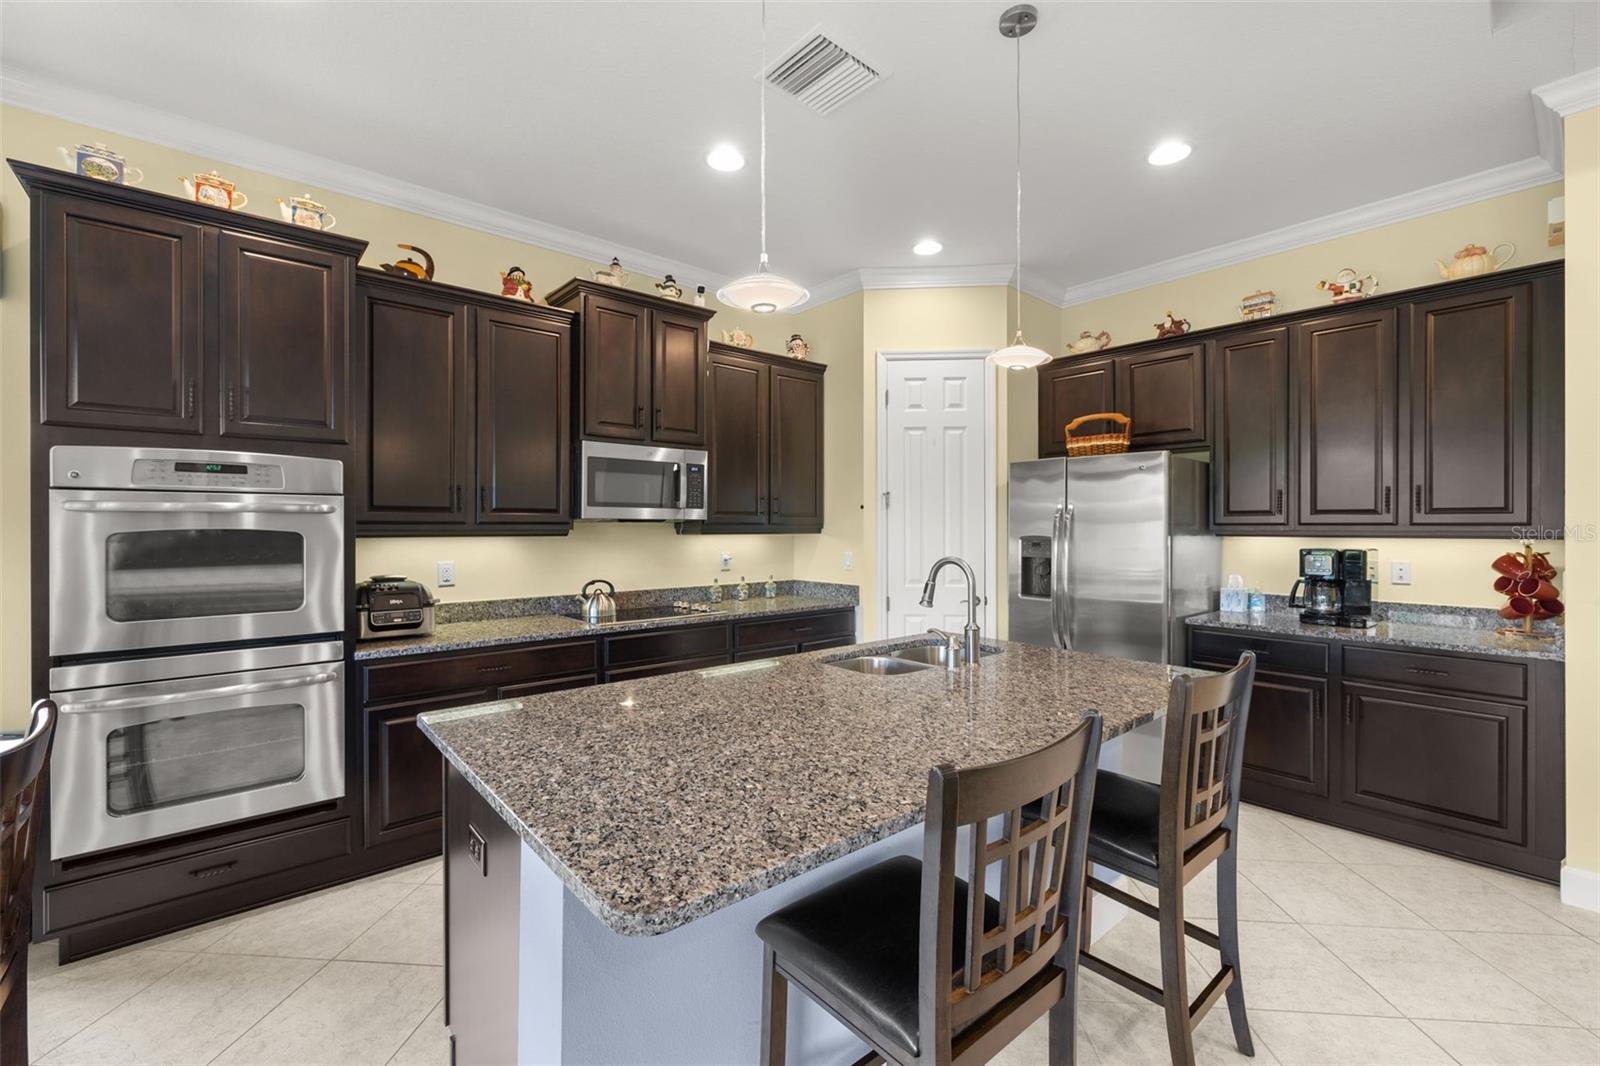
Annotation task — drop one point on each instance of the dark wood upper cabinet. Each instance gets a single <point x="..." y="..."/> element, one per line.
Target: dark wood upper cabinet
<point x="524" y="439"/>
<point x="796" y="424"/>
<point x="1069" y="388"/>
<point x="766" y="451"/>
<point x="1250" y="444"/>
<point x="284" y="336"/>
<point x="737" y="480"/>
<point x="1471" y="409"/>
<point x="1348" y="439"/>
<point x="416" y="434"/>
<point x="616" y="368"/>
<point x="122" y="293"/>
<point x="678" y="383"/>
<point x="1164" y="393"/>
<point x="642" y="376"/>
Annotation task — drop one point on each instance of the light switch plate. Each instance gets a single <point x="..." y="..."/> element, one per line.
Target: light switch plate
<point x="849" y="560"/>
<point x="1399" y="572"/>
<point x="447" y="573"/>
<point x="727" y="561"/>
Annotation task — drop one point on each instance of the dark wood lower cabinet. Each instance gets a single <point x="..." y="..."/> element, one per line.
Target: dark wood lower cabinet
<point x="1456" y="753"/>
<point x="402" y="768"/>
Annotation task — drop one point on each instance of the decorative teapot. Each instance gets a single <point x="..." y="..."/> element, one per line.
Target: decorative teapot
<point x="215" y="190"/>
<point x="409" y="267"/>
<point x="302" y="210"/>
<point x="1347" y="286"/>
<point x="669" y="288"/>
<point x="613" y="274"/>
<point x="798" y="347"/>
<point x="101" y="163"/>
<point x="515" y="284"/>
<point x="1475" y="259"/>
<point x="1173" y="326"/>
<point x="1089" y="342"/>
<point x="738" y="338"/>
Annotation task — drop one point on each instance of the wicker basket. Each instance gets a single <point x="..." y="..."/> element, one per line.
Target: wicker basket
<point x="1099" y="443"/>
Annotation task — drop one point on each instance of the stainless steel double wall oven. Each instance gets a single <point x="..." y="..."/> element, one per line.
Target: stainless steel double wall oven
<point x="196" y="623"/>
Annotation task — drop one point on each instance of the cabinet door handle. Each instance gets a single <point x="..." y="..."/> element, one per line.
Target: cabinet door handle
<point x="188" y="409"/>
<point x="638" y="416"/>
<point x="493" y="669"/>
<point x="1426" y="672"/>
<point x="658" y="416"/>
<point x="205" y="872"/>
<point x="1348" y="713"/>
<point x="1277" y="508"/>
<point x="457" y="507"/>
<point x="775" y="507"/>
<point x="483" y="499"/>
<point x="1386" y="493"/>
<point x="1416" y="499"/>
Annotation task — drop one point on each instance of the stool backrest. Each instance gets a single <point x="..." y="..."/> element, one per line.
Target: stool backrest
<point x="21" y="794"/>
<point x="1202" y="757"/>
<point x="1042" y="801"/>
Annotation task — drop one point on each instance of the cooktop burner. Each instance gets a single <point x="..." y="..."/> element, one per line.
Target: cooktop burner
<point x="644" y="614"/>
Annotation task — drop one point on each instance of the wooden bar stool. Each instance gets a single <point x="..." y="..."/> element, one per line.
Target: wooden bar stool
<point x="1166" y="835"/>
<point x="22" y="765"/>
<point x="928" y="968"/>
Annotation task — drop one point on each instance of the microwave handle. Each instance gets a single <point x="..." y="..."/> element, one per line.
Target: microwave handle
<point x="196" y="507"/>
<point x="246" y="689"/>
<point x="680" y="474"/>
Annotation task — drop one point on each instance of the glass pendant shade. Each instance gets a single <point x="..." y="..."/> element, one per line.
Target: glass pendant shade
<point x="1019" y="355"/>
<point x="763" y="292"/>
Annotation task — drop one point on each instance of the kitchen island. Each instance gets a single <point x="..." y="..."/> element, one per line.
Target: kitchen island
<point x="609" y="850"/>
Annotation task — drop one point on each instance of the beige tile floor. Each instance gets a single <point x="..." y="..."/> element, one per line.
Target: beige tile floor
<point x="1354" y="950"/>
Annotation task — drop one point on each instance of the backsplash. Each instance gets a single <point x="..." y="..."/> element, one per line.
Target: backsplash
<point x="517" y="607"/>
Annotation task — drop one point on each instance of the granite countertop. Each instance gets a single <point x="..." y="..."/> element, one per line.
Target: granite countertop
<point x="661" y="800"/>
<point x="536" y="627"/>
<point x="1466" y="629"/>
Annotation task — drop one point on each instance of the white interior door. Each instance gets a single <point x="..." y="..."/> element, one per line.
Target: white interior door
<point x="936" y="486"/>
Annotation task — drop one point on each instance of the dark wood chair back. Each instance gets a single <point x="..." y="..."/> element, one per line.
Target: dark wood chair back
<point x="21" y="798"/>
<point x="1040" y="861"/>
<point x="1202" y="758"/>
<point x="21" y="778"/>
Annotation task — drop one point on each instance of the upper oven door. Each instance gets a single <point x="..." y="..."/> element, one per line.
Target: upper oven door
<point x="632" y="481"/>
<point x="149" y="570"/>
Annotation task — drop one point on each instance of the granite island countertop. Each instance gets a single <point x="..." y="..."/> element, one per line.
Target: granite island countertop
<point x="535" y="627"/>
<point x="661" y="800"/>
<point x="1463" y="630"/>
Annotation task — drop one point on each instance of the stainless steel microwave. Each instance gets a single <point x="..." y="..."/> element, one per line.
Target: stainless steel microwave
<point x="641" y="483"/>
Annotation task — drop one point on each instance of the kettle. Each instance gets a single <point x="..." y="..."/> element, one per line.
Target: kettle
<point x="598" y="606"/>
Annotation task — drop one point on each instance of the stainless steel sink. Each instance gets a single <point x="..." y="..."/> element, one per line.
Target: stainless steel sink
<point x="931" y="654"/>
<point x="881" y="665"/>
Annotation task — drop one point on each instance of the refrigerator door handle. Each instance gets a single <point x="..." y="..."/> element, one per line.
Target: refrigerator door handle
<point x="1060" y="546"/>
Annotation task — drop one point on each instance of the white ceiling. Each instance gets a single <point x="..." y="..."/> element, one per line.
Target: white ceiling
<point x="596" y="116"/>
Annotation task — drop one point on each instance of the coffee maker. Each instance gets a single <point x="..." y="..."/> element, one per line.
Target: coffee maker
<point x="1337" y="591"/>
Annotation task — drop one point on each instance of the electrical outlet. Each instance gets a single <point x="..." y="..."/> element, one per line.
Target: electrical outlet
<point x="1399" y="572"/>
<point x="1372" y="565"/>
<point x="849" y="560"/>
<point x="447" y="573"/>
<point x="727" y="561"/>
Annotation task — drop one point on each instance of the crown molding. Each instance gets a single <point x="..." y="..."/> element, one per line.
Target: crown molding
<point x="937" y="277"/>
<point x="118" y="117"/>
<point x="1553" y="102"/>
<point x="1513" y="177"/>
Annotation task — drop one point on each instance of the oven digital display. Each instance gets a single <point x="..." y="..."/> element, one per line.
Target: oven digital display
<point x="210" y="468"/>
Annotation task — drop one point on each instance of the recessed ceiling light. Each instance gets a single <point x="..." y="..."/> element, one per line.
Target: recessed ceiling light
<point x="927" y="246"/>
<point x="725" y="157"/>
<point x="1169" y="152"/>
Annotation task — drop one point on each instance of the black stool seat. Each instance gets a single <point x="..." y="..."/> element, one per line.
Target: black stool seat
<point x="1125" y="828"/>
<point x="858" y="940"/>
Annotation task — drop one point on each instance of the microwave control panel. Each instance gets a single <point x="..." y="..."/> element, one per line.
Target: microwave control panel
<point x="186" y="474"/>
<point x="695" y="497"/>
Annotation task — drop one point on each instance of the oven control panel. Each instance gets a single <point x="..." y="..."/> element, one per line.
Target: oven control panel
<point x="200" y="474"/>
<point x="695" y="495"/>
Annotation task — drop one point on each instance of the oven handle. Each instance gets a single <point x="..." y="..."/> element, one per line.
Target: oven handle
<point x="246" y="689"/>
<point x="196" y="507"/>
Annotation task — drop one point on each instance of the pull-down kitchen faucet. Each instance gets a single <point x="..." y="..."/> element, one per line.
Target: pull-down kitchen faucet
<point x="970" y="634"/>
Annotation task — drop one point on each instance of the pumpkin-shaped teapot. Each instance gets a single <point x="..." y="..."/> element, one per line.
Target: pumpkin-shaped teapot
<point x="1475" y="259"/>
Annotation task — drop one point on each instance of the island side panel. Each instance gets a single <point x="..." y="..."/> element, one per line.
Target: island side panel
<point x="483" y="907"/>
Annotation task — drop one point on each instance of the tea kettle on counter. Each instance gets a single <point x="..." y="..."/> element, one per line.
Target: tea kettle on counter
<point x="598" y="606"/>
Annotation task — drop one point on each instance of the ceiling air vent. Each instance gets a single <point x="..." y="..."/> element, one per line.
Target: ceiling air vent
<point x="821" y="74"/>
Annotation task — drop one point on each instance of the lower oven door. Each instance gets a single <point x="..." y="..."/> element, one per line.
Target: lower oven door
<point x="135" y="763"/>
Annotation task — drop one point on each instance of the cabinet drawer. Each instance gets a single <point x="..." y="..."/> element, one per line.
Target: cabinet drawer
<point x="1294" y="656"/>
<point x="690" y="642"/>
<point x="555" y="684"/>
<point x="675" y="666"/>
<point x="802" y="629"/>
<point x="1479" y="677"/>
<point x="98" y="898"/>
<point x="461" y="672"/>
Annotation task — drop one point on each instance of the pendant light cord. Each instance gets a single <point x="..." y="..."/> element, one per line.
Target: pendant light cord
<point x="763" y="77"/>
<point x="1019" y="184"/>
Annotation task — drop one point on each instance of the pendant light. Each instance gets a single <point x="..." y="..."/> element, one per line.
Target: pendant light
<point x="763" y="292"/>
<point x="1017" y="23"/>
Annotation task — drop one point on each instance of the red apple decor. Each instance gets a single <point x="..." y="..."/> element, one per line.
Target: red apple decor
<point x="1525" y="582"/>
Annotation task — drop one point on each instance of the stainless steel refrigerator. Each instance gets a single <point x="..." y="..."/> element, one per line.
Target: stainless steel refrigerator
<point x="1109" y="553"/>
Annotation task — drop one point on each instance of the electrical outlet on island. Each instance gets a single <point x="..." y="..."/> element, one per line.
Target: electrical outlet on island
<point x="447" y="573"/>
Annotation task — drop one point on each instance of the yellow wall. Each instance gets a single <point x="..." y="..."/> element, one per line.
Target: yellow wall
<point x="1581" y="579"/>
<point x="835" y="328"/>
<point x="631" y="555"/>
<point x="1402" y="255"/>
